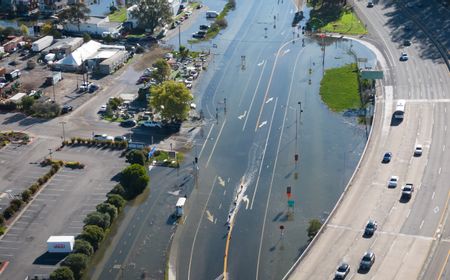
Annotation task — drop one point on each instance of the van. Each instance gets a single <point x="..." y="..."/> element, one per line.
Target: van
<point x="212" y="14"/>
<point x="179" y="211"/>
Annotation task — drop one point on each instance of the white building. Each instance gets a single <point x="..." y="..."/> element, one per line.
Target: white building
<point x="95" y="26"/>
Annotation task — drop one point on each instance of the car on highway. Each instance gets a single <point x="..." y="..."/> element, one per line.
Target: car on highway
<point x="393" y="181"/>
<point x="387" y="157"/>
<point x="128" y="123"/>
<point x="151" y="124"/>
<point x="342" y="271"/>
<point x="404" y="56"/>
<point x="66" y="109"/>
<point x="367" y="260"/>
<point x="407" y="191"/>
<point x="371" y="227"/>
<point x="418" y="150"/>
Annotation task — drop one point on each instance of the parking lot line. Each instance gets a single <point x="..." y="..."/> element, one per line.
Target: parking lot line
<point x="8" y="248"/>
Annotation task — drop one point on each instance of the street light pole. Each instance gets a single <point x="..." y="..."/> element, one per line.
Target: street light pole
<point x="63" y="129"/>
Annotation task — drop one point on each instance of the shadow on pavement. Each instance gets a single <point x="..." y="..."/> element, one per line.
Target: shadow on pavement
<point x="50" y="258"/>
<point x="14" y="118"/>
<point x="395" y="121"/>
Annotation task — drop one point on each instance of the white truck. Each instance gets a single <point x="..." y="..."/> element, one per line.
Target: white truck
<point x="179" y="208"/>
<point x="42" y="43"/>
<point x="60" y="244"/>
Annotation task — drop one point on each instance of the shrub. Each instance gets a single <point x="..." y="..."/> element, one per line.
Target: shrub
<point x="83" y="247"/>
<point x="2" y="230"/>
<point x="92" y="234"/>
<point x="77" y="263"/>
<point x="222" y="23"/>
<point x="134" y="179"/>
<point x="26" y="195"/>
<point x="109" y="209"/>
<point x="118" y="189"/>
<point x="102" y="220"/>
<point x="33" y="188"/>
<point x="62" y="273"/>
<point x="16" y="204"/>
<point x="45" y="109"/>
<point x="8" y="212"/>
<point x="313" y="228"/>
<point x="117" y="201"/>
<point x="136" y="156"/>
<point x="74" y="165"/>
<point x="2" y="220"/>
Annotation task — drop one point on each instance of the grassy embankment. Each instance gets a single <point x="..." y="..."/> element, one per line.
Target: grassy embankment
<point x="339" y="88"/>
<point x="333" y="16"/>
<point x="118" y="16"/>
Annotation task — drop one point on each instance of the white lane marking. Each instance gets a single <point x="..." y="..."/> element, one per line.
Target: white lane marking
<point x="264" y="153"/>
<point x="215" y="144"/>
<point x="254" y="95"/>
<point x="198" y="227"/>
<point x="261" y="63"/>
<point x="220" y="206"/>
<point x="204" y="144"/>
<point x="243" y="115"/>
<point x="443" y="148"/>
<point x="439" y="172"/>
<point x="209" y="216"/>
<point x="421" y="224"/>
<point x="432" y="196"/>
<point x="286" y="51"/>
<point x="246" y="200"/>
<point x="445" y="128"/>
<point x="409" y="212"/>
<point x="268" y="100"/>
<point x="221" y="181"/>
<point x="389" y="96"/>
<point x="262" y="124"/>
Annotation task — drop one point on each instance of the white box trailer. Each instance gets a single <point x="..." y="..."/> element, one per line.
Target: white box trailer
<point x="179" y="211"/>
<point x="60" y="244"/>
<point x="42" y="43"/>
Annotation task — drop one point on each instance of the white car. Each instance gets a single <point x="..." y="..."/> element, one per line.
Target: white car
<point x="151" y="124"/>
<point x="102" y="108"/>
<point x="404" y="57"/>
<point x="418" y="150"/>
<point x="100" y="137"/>
<point x="393" y="181"/>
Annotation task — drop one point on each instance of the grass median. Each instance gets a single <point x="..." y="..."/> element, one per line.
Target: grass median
<point x="339" y="88"/>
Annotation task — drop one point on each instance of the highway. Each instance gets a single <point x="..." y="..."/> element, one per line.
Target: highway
<point x="252" y="144"/>
<point x="412" y="237"/>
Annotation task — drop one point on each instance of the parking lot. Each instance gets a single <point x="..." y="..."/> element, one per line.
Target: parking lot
<point x="58" y="210"/>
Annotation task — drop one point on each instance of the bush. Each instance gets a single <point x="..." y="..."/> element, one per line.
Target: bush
<point x="83" y="247"/>
<point x="34" y="188"/>
<point x="313" y="228"/>
<point x="77" y="263"/>
<point x="109" y="209"/>
<point x="86" y="37"/>
<point x="116" y="200"/>
<point x="8" y="212"/>
<point x="102" y="220"/>
<point x="2" y="220"/>
<point x="27" y="102"/>
<point x="136" y="156"/>
<point x="62" y="273"/>
<point x="74" y="165"/>
<point x="26" y="195"/>
<point x="16" y="204"/>
<point x="222" y="23"/>
<point x="92" y="234"/>
<point x="118" y="189"/>
<point x="45" y="109"/>
<point x="134" y="179"/>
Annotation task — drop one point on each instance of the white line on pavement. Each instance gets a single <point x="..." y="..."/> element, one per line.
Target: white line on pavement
<point x="207" y="138"/>
<point x="215" y="143"/>
<point x="254" y="95"/>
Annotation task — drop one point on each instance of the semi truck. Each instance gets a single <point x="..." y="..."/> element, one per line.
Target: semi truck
<point x="42" y="43"/>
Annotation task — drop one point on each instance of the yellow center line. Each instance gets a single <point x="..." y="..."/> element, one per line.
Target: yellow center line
<point x="443" y="266"/>
<point x="225" y="257"/>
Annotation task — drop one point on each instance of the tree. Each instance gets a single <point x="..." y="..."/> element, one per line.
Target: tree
<point x="115" y="103"/>
<point x="118" y="189"/>
<point x="116" y="200"/>
<point x="23" y="29"/>
<point x="77" y="263"/>
<point x="27" y="103"/>
<point x="47" y="28"/>
<point x="62" y="273"/>
<point x="184" y="52"/>
<point x="313" y="228"/>
<point x="86" y="37"/>
<point x="136" y="156"/>
<point x="26" y="195"/>
<point x="75" y="13"/>
<point x="171" y="99"/>
<point x="162" y="71"/>
<point x="134" y="180"/>
<point x="151" y="13"/>
<point x="99" y="219"/>
<point x="92" y="234"/>
<point x="45" y="109"/>
<point x="109" y="209"/>
<point x="83" y="247"/>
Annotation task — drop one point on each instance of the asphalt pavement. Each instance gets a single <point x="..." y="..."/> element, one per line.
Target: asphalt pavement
<point x="410" y="233"/>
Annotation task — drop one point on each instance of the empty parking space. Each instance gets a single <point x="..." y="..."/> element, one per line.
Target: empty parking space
<point x="59" y="209"/>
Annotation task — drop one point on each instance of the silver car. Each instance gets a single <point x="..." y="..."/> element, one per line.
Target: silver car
<point x="342" y="271"/>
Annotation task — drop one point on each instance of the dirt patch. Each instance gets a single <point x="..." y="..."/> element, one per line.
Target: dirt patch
<point x="148" y="58"/>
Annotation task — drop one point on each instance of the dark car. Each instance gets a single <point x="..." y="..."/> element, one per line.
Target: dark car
<point x="407" y="191"/>
<point x="204" y="27"/>
<point x="371" y="227"/>
<point x="66" y="109"/>
<point x="387" y="157"/>
<point x="128" y="123"/>
<point x="198" y="35"/>
<point x="407" y="43"/>
<point x="367" y="260"/>
<point x="342" y="271"/>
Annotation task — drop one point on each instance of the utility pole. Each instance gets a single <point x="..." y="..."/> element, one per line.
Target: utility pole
<point x="63" y="129"/>
<point x="179" y="36"/>
<point x="54" y="95"/>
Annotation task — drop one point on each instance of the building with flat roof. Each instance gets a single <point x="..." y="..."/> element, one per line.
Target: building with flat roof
<point x="95" y="26"/>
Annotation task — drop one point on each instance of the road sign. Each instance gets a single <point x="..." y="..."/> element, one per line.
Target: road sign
<point x="374" y="75"/>
<point x="291" y="203"/>
<point x="362" y="59"/>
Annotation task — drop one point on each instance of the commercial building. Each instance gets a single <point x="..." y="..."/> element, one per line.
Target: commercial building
<point x="110" y="65"/>
<point x="64" y="47"/>
<point x="95" y="26"/>
<point x="50" y="7"/>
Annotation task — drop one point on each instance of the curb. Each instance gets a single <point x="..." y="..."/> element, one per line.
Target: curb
<point x="4" y="266"/>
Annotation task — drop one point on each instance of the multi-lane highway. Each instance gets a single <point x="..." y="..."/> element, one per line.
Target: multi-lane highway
<point x="412" y="237"/>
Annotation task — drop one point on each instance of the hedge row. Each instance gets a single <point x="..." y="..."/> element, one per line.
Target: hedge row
<point x="68" y="164"/>
<point x="97" y="143"/>
<point x="18" y="203"/>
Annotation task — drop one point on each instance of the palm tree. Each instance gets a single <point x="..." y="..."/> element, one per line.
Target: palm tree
<point x="76" y="13"/>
